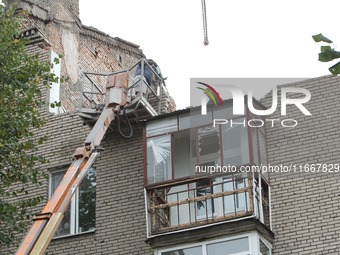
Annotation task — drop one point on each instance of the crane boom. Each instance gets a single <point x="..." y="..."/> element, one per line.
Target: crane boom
<point x="46" y="223"/>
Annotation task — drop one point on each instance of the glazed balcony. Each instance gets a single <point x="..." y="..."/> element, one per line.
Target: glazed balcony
<point x="182" y="149"/>
<point x="206" y="201"/>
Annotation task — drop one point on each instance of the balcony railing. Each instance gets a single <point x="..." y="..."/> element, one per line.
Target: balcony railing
<point x="207" y="201"/>
<point x="94" y="86"/>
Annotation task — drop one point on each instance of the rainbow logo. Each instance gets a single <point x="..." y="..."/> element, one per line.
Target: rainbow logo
<point x="209" y="93"/>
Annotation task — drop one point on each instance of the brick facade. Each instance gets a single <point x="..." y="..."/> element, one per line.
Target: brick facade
<point x="120" y="213"/>
<point x="304" y="206"/>
<point x="120" y="192"/>
<point x="304" y="215"/>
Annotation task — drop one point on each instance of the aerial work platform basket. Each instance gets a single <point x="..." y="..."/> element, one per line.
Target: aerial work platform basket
<point x="99" y="90"/>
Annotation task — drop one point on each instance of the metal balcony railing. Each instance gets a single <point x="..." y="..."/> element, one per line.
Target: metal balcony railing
<point x="93" y="92"/>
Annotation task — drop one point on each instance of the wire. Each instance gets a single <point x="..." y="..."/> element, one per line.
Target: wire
<point x="205" y="27"/>
<point x="129" y="124"/>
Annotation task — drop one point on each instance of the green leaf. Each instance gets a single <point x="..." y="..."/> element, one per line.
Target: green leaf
<point x="324" y="48"/>
<point x="329" y="55"/>
<point x="321" y="38"/>
<point x="335" y="69"/>
<point x="23" y="78"/>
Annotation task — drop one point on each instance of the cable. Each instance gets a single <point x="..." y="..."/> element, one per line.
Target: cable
<point x="205" y="28"/>
<point x="129" y="124"/>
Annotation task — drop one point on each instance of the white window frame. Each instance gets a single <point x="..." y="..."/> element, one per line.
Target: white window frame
<point x="74" y="208"/>
<point x="266" y="243"/>
<point x="210" y="215"/>
<point x="72" y="203"/>
<point x="220" y="180"/>
<point x="54" y="90"/>
<point x="253" y="238"/>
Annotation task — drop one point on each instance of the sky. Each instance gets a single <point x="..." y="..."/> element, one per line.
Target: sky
<point x="247" y="39"/>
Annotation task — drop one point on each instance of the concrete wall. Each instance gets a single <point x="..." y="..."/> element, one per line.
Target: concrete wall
<point x="305" y="207"/>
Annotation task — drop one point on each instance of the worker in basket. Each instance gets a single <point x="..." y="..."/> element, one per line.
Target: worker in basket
<point x="142" y="82"/>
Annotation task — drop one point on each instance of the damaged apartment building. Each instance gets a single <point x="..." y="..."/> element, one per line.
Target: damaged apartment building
<point x="143" y="195"/>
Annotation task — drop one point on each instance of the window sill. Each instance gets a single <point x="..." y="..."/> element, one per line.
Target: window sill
<point x="73" y="235"/>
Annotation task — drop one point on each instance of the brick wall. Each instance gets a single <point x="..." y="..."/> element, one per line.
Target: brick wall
<point x="305" y="207"/>
<point x="53" y="5"/>
<point x="84" y="49"/>
<point x="120" y="210"/>
<point x="120" y="213"/>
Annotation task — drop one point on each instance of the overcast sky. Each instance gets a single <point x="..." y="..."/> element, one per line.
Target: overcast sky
<point x="263" y="38"/>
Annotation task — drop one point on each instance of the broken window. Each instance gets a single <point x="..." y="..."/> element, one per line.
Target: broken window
<point x="185" y="145"/>
<point x="80" y="215"/>
<point x="209" y="146"/>
<point x="159" y="159"/>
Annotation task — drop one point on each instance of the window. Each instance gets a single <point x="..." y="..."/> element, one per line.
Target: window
<point x="235" y="144"/>
<point x="208" y="146"/>
<point x="187" y="251"/>
<point x="236" y="202"/>
<point x="231" y="204"/>
<point x="246" y="244"/>
<point x="259" y="143"/>
<point x="182" y="146"/>
<point x="205" y="208"/>
<point x="80" y="214"/>
<point x="159" y="159"/>
<point x="176" y="154"/>
<point x="182" y="159"/>
<point x="264" y="249"/>
<point x="228" y="247"/>
<point x="54" y="91"/>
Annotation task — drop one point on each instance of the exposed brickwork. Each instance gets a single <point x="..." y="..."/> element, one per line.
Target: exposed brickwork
<point x="120" y="210"/>
<point x="305" y="207"/>
<point x="53" y="5"/>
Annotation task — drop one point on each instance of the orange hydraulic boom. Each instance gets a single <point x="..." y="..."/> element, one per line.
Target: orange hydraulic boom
<point x="46" y="223"/>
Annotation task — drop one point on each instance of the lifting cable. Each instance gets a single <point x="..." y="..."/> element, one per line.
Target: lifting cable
<point x="205" y="28"/>
<point x="128" y="122"/>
